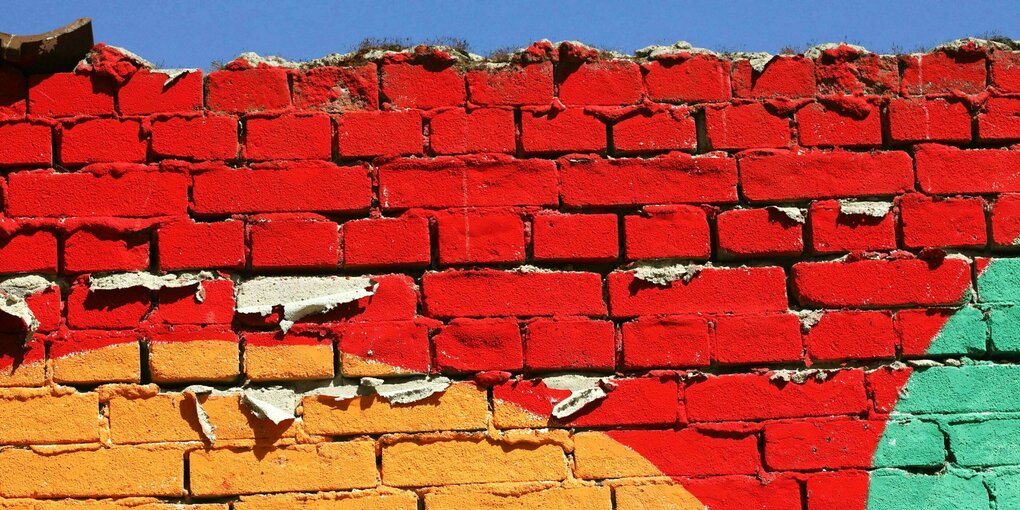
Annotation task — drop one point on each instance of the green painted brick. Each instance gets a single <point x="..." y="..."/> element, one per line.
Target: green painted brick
<point x="1005" y="328"/>
<point x="1000" y="281"/>
<point x="965" y="333"/>
<point x="893" y="489"/>
<point x="963" y="389"/>
<point x="912" y="443"/>
<point x="1005" y="486"/>
<point x="986" y="443"/>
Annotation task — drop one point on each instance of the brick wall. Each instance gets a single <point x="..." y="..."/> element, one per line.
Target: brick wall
<point x="413" y="280"/>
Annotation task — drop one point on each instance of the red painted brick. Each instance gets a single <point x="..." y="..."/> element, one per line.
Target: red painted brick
<point x="768" y="232"/>
<point x="395" y="299"/>
<point x="26" y="144"/>
<point x="838" y="490"/>
<point x="102" y="140"/>
<point x="745" y="126"/>
<point x="699" y="78"/>
<point x="999" y="119"/>
<point x="633" y="402"/>
<point x="1006" y="220"/>
<point x="949" y="222"/>
<point x="472" y="345"/>
<point x="761" y="397"/>
<point x="815" y="174"/>
<point x="570" y="343"/>
<point x="293" y="243"/>
<point x="296" y="187"/>
<point x="106" y="309"/>
<point x="190" y="245"/>
<point x="780" y="492"/>
<point x="97" y="250"/>
<point x="693" y="452"/>
<point x="881" y="283"/>
<point x="574" y="237"/>
<point x="467" y="182"/>
<point x="712" y="290"/>
<point x="512" y="85"/>
<point x="602" y="82"/>
<point x="928" y="120"/>
<point x="337" y="89"/>
<point x="746" y="339"/>
<point x="69" y="95"/>
<point x="480" y="293"/>
<point x="851" y="335"/>
<point x="834" y="231"/>
<point x="822" y="125"/>
<point x="137" y="193"/>
<point x="195" y="138"/>
<point x="668" y="231"/>
<point x="821" y="444"/>
<point x="668" y="130"/>
<point x="484" y="130"/>
<point x="943" y="73"/>
<point x="423" y="86"/>
<point x="28" y="252"/>
<point x="289" y="137"/>
<point x="1005" y="71"/>
<point x="400" y="344"/>
<point x="148" y="92"/>
<point x="480" y="237"/>
<point x="390" y="133"/>
<point x="47" y="307"/>
<point x="988" y="170"/>
<point x="664" y="180"/>
<point x="248" y="90"/>
<point x="783" y="76"/>
<point x="570" y="130"/>
<point x="916" y="329"/>
<point x="400" y="241"/>
<point x="13" y="91"/>
<point x="665" y="342"/>
<point x="183" y="306"/>
<point x="846" y="70"/>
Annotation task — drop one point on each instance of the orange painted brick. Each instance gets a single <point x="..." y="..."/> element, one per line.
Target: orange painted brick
<point x="321" y="467"/>
<point x="39" y="417"/>
<point x="153" y="470"/>
<point x="383" y="499"/>
<point x="599" y="456"/>
<point x="186" y="357"/>
<point x="469" y="459"/>
<point x="102" y="504"/>
<point x="519" y="496"/>
<point x="98" y="359"/>
<point x="278" y="357"/>
<point x="461" y="407"/>
<point x="655" y="496"/>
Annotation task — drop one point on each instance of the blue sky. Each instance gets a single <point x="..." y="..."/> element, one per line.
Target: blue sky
<point x="190" y="33"/>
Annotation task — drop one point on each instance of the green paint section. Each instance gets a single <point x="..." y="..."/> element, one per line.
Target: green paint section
<point x="911" y="443"/>
<point x="965" y="333"/>
<point x="964" y="389"/>
<point x="892" y="489"/>
<point x="986" y="443"/>
<point x="1000" y="282"/>
<point x="1005" y="327"/>
<point x="1005" y="486"/>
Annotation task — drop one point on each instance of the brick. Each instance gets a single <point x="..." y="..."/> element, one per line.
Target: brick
<point x="473" y="345"/>
<point x="663" y="131"/>
<point x="14" y="91"/>
<point x="210" y="302"/>
<point x="307" y="468"/>
<point x="337" y="89"/>
<point x="387" y="133"/>
<point x="928" y="120"/>
<point x="941" y="72"/>
<point x="712" y="290"/>
<point x="571" y="343"/>
<point x="467" y="182"/>
<point x="890" y="488"/>
<point x="847" y="70"/>
<point x="247" y="90"/>
<point x="106" y="309"/>
<point x="835" y="230"/>
<point x="575" y="237"/>
<point x="380" y="349"/>
<point x="293" y="243"/>
<point x="960" y="393"/>
<point x="44" y="418"/>
<point x="747" y="339"/>
<point x="570" y="130"/>
<point x="423" y="86"/>
<point x="949" y="222"/>
<point x="21" y="363"/>
<point x="191" y="245"/>
<point x="696" y="79"/>
<point x="638" y="401"/>
<point x="783" y="76"/>
<point x="195" y="138"/>
<point x="842" y="393"/>
<point x="469" y="460"/>
<point x="690" y="452"/>
<point x="385" y="499"/>
<point x="403" y="241"/>
<point x="69" y="95"/>
<point x="815" y="174"/>
<point x="306" y="136"/>
<point x="851" y="335"/>
<point x="1005" y="71"/>
<point x="287" y="356"/>
<point x="203" y="355"/>
<point x="673" y="342"/>
<point x="999" y="120"/>
<point x="512" y="85"/>
<point x="480" y="293"/>
<point x="679" y="231"/>
<point x="881" y="283"/>
<point x="934" y="332"/>
<point x="395" y="299"/>
<point x="101" y="141"/>
<point x="602" y="82"/>
<point x="838" y="490"/>
<point x="781" y="492"/>
<point x="820" y="124"/>
<point x="26" y="144"/>
<point x="295" y="187"/>
<point x="97" y="250"/>
<point x="1005" y="220"/>
<point x="745" y="126"/>
<point x="664" y="180"/>
<point x="96" y="357"/>
<point x="462" y="406"/>
<point x="480" y="237"/>
<point x="155" y="470"/>
<point x="148" y="92"/>
<point x="459" y="131"/>
<point x="769" y="232"/>
<point x="653" y="496"/>
<point x="980" y="444"/>
<point x="508" y="497"/>
<point x="28" y="252"/>
<point x="988" y="170"/>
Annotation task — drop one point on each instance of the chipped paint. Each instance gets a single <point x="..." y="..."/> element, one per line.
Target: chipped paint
<point x="300" y="296"/>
